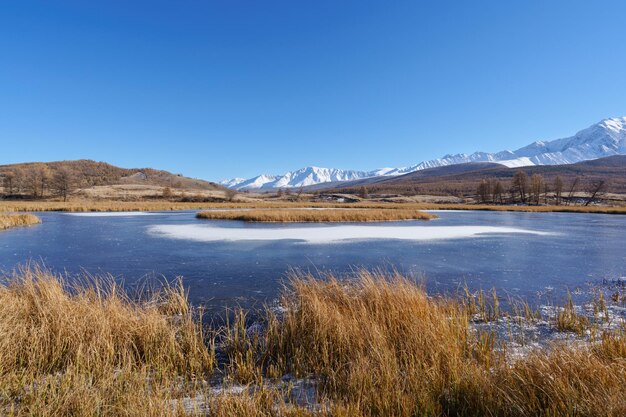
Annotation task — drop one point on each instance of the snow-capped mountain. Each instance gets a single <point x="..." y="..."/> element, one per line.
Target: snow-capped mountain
<point x="605" y="138"/>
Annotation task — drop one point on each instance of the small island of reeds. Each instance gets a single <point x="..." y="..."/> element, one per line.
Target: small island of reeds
<point x="8" y="221"/>
<point x="316" y="215"/>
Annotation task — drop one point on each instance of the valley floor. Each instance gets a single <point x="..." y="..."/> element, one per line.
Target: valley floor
<point x="266" y="203"/>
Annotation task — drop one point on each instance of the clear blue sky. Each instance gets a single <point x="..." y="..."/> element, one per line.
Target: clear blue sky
<point x="217" y="89"/>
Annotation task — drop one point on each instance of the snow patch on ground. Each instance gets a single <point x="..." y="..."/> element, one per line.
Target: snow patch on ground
<point x="328" y="234"/>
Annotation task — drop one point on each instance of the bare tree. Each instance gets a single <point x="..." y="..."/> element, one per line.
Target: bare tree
<point x="63" y="182"/>
<point x="484" y="191"/>
<point x="520" y="184"/>
<point x="167" y="193"/>
<point x="299" y="193"/>
<point x="363" y="193"/>
<point x="536" y="187"/>
<point x="8" y="182"/>
<point x="572" y="189"/>
<point x="497" y="191"/>
<point x="230" y="194"/>
<point x="595" y="189"/>
<point x="558" y="190"/>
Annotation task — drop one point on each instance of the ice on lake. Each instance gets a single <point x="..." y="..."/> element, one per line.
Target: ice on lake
<point x="329" y="234"/>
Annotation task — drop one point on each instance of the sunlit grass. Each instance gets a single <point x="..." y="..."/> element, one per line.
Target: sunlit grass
<point x="313" y="215"/>
<point x="15" y="220"/>
<point x="373" y="344"/>
<point x="88" y="205"/>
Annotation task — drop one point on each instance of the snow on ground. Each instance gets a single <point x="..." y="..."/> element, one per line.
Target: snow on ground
<point x="328" y="234"/>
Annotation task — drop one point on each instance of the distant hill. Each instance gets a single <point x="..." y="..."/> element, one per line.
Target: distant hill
<point x="70" y="176"/>
<point x="464" y="179"/>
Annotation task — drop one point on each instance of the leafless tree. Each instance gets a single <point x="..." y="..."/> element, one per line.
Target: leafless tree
<point x="484" y="191"/>
<point x="595" y="189"/>
<point x="299" y="193"/>
<point x="572" y="190"/>
<point x="167" y="193"/>
<point x="230" y="194"/>
<point x="520" y="184"/>
<point x="363" y="193"/>
<point x="558" y="190"/>
<point x="497" y="191"/>
<point x="536" y="187"/>
<point x="63" y="182"/>
<point x="8" y="182"/>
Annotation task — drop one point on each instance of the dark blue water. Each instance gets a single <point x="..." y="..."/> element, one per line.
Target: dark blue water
<point x="584" y="249"/>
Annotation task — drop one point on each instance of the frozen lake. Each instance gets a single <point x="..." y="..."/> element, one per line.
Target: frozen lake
<point x="227" y="263"/>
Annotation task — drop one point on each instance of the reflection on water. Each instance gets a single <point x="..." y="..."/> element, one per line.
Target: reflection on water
<point x="522" y="254"/>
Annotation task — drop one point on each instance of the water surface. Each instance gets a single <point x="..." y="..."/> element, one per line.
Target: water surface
<point x="226" y="262"/>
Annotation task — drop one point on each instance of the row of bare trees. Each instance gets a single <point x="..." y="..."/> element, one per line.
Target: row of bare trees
<point x="38" y="181"/>
<point x="533" y="190"/>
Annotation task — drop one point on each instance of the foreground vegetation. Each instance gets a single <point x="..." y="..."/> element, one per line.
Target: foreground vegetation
<point x="373" y="345"/>
<point x="316" y="215"/>
<point x="8" y="221"/>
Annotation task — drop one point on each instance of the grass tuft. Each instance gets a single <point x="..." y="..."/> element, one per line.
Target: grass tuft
<point x="8" y="221"/>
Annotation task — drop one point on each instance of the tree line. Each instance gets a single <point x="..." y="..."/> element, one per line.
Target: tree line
<point x="38" y="181"/>
<point x="533" y="190"/>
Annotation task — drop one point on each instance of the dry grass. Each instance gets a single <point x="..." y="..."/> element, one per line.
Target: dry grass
<point x="379" y="346"/>
<point x="376" y="345"/>
<point x="330" y="215"/>
<point x="8" y="221"/>
<point x="95" y="205"/>
<point x="90" y="350"/>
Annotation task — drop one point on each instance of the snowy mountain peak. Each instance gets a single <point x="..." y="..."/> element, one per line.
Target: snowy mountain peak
<point x="605" y="138"/>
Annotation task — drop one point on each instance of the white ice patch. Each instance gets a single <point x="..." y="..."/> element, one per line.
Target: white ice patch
<point x="328" y="234"/>
<point x="111" y="213"/>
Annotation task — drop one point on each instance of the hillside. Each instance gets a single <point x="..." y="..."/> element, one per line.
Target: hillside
<point x="93" y="179"/>
<point x="445" y="181"/>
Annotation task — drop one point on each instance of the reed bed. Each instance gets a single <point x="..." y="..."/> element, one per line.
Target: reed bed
<point x="88" y="349"/>
<point x="379" y="346"/>
<point x="373" y="344"/>
<point x="8" y="221"/>
<point x="317" y="215"/>
<point x="100" y="206"/>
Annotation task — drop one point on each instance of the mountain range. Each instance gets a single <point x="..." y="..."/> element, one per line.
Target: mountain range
<point x="605" y="138"/>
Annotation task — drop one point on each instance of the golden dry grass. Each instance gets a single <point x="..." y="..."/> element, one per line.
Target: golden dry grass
<point x="95" y="205"/>
<point x="379" y="346"/>
<point x="316" y="215"/>
<point x="88" y="349"/>
<point x="8" y="221"/>
<point x="376" y="345"/>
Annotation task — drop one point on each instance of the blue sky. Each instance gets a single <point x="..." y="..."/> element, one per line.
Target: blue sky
<point x="217" y="89"/>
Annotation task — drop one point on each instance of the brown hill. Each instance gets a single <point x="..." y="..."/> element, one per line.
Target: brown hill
<point x="464" y="179"/>
<point x="89" y="178"/>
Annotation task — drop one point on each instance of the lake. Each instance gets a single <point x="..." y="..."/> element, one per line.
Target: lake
<point x="223" y="263"/>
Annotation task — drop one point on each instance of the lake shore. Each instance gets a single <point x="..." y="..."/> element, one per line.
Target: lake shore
<point x="118" y="206"/>
<point x="368" y="344"/>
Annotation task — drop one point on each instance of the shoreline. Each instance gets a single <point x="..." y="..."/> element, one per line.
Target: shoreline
<point x="120" y="206"/>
